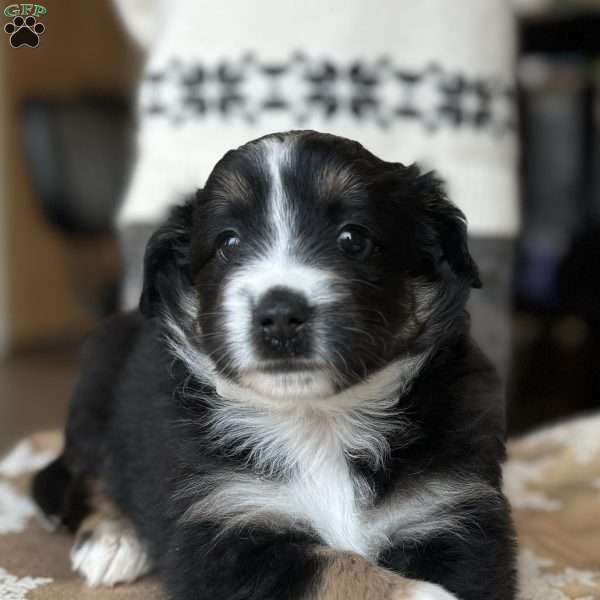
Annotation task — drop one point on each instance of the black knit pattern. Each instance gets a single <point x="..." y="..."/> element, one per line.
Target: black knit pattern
<point x="380" y="91"/>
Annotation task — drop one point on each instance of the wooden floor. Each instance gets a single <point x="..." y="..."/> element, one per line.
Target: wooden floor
<point x="34" y="391"/>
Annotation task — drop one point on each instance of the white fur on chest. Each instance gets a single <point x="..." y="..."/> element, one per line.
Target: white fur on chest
<point x="302" y="456"/>
<point x="301" y="475"/>
<point x="329" y="498"/>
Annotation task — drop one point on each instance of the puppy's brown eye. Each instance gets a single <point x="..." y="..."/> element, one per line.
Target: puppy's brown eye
<point x="355" y="242"/>
<point x="227" y="244"/>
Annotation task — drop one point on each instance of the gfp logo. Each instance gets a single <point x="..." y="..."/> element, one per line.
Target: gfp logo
<point x="24" y="29"/>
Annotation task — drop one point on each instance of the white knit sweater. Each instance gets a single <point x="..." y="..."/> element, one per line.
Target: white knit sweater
<point x="412" y="80"/>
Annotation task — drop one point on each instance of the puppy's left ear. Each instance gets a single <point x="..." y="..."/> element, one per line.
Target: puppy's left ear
<point x="450" y="227"/>
<point x="167" y="269"/>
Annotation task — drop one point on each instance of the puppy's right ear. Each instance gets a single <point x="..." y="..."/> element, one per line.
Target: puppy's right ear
<point x="167" y="262"/>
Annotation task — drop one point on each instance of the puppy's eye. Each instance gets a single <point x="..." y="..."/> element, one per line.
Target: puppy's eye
<point x="227" y="244"/>
<point x="355" y="242"/>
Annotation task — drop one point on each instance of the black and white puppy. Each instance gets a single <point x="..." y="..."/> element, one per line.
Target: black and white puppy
<point x="298" y="411"/>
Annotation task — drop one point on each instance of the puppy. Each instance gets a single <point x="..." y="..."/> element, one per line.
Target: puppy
<point x="297" y="411"/>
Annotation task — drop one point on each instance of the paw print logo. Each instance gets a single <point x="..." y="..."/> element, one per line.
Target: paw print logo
<point x="24" y="32"/>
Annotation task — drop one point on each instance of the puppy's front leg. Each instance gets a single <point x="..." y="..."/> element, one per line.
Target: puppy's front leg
<point x="257" y="564"/>
<point x="347" y="576"/>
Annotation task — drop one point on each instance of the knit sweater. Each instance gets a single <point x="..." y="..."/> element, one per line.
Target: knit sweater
<point x="429" y="81"/>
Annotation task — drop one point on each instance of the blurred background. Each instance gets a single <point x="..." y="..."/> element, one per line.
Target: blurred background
<point x="66" y="153"/>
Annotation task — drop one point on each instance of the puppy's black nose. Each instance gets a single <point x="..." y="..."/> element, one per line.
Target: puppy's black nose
<point x="281" y="317"/>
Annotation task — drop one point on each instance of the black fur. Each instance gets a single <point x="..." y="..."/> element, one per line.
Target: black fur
<point x="138" y="417"/>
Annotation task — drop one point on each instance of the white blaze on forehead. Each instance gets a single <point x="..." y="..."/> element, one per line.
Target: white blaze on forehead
<point x="277" y="157"/>
<point x="277" y="266"/>
<point x="280" y="264"/>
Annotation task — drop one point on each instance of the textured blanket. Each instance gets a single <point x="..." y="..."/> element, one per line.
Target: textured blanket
<point x="552" y="479"/>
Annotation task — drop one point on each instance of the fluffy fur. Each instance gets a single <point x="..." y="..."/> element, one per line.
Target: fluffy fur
<point x="298" y="410"/>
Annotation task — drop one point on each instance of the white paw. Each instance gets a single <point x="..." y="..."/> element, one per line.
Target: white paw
<point x="109" y="554"/>
<point x="429" y="591"/>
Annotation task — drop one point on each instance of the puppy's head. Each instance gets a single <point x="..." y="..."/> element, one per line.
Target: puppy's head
<point x="307" y="264"/>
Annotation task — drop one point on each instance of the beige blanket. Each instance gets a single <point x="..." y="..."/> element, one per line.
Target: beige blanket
<point x="552" y="479"/>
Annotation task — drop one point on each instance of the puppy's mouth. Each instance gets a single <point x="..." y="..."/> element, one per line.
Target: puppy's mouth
<point x="292" y="380"/>
<point x="291" y="365"/>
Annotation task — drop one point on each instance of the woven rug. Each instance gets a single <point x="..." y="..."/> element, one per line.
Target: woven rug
<point x="552" y="479"/>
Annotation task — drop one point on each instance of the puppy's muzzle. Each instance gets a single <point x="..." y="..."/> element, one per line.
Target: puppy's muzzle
<point x="282" y="324"/>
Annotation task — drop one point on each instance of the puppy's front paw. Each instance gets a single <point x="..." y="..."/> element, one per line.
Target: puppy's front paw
<point x="423" y="590"/>
<point x="108" y="554"/>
